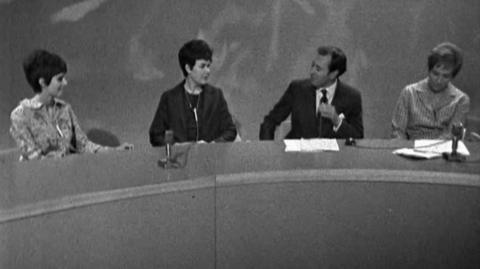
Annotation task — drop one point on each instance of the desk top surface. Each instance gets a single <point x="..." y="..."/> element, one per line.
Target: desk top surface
<point x="35" y="181"/>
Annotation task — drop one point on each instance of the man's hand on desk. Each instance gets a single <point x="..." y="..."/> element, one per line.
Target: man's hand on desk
<point x="124" y="146"/>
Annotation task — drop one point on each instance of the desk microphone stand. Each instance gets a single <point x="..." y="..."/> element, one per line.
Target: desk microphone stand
<point x="457" y="134"/>
<point x="168" y="162"/>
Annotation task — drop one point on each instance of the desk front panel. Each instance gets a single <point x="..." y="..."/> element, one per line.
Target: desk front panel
<point x="241" y="205"/>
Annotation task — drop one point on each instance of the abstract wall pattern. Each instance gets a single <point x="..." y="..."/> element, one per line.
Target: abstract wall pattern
<point x="122" y="55"/>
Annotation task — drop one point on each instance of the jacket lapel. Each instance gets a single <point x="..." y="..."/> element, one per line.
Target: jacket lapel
<point x="338" y="100"/>
<point x="203" y="104"/>
<point x="311" y="100"/>
<point x="179" y="104"/>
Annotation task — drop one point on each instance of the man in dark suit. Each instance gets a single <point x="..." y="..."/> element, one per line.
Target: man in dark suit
<point x="194" y="110"/>
<point x="321" y="106"/>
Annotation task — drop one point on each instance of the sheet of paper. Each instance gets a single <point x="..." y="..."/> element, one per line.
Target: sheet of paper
<point x="439" y="146"/>
<point x="311" y="145"/>
<point x="409" y="152"/>
<point x="292" y="145"/>
<point x="428" y="149"/>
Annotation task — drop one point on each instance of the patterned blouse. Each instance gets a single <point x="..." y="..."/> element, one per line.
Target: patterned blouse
<point x="422" y="114"/>
<point x="43" y="131"/>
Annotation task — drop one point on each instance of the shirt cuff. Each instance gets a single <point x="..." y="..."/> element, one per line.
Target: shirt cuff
<point x="341" y="117"/>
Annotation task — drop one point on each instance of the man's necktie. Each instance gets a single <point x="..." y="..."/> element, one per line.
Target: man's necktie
<point x="323" y="100"/>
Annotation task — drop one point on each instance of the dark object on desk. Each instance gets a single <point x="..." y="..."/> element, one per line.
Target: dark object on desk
<point x="103" y="137"/>
<point x="457" y="133"/>
<point x="454" y="157"/>
<point x="350" y="141"/>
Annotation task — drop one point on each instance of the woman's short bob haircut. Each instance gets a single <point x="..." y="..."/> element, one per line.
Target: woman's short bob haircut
<point x="42" y="64"/>
<point x="192" y="51"/>
<point x="446" y="54"/>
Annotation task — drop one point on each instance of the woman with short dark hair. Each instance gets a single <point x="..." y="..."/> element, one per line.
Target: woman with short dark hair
<point x="194" y="110"/>
<point x="45" y="126"/>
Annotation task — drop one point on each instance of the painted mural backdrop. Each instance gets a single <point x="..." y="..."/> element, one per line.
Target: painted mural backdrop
<point x="122" y="54"/>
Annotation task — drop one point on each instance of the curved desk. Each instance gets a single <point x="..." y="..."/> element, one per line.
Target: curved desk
<point x="242" y="205"/>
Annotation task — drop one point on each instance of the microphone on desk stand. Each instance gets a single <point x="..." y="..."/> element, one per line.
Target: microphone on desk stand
<point x="168" y="161"/>
<point x="168" y="143"/>
<point x="457" y="135"/>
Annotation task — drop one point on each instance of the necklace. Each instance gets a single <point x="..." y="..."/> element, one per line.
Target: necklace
<point x="190" y="101"/>
<point x="51" y="112"/>
<point x="194" y="109"/>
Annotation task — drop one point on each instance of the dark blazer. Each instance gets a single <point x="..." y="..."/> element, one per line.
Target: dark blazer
<point x="299" y="101"/>
<point x="215" y="121"/>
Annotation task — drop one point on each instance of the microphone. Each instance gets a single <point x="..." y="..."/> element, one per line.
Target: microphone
<point x="457" y="135"/>
<point x="168" y="161"/>
<point x="168" y="144"/>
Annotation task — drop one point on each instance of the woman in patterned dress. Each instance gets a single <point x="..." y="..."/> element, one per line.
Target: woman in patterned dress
<point x="45" y="126"/>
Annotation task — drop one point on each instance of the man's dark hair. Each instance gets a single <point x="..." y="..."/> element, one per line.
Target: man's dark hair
<point x="192" y="51"/>
<point x="42" y="64"/>
<point x="338" y="59"/>
<point x="447" y="54"/>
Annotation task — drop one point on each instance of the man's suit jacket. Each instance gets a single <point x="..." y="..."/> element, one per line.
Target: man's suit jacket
<point x="214" y="119"/>
<point x="300" y="101"/>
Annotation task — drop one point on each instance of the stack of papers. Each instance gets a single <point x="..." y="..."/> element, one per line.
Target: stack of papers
<point x="428" y="149"/>
<point x="311" y="145"/>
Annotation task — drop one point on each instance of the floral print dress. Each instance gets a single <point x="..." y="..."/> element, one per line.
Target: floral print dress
<point x="52" y="130"/>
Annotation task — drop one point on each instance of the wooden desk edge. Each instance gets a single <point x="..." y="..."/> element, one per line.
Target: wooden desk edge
<point x="239" y="179"/>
